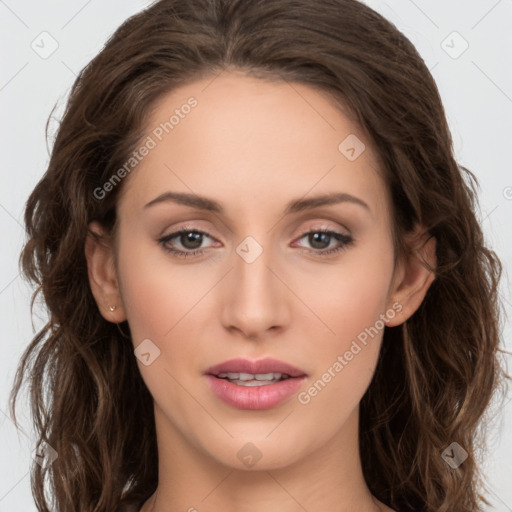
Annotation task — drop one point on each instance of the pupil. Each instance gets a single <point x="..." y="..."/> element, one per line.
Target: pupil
<point x="316" y="238"/>
<point x="195" y="238"/>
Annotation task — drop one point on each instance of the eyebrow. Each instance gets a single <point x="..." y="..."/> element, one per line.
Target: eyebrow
<point x="297" y="205"/>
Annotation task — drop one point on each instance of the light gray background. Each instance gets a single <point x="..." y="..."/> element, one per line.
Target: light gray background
<point x="476" y="87"/>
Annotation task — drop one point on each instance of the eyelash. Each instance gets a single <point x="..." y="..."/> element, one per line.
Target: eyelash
<point x="344" y="240"/>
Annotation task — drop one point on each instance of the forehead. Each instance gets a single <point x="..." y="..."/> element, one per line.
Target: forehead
<point x="256" y="137"/>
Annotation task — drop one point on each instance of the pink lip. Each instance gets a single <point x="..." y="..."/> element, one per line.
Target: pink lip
<point x="260" y="397"/>
<point x="266" y="365"/>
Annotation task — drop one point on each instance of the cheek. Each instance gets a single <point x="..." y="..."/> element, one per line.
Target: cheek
<point x="350" y="296"/>
<point x="156" y="293"/>
<point x="350" y="300"/>
<point x="162" y="303"/>
<point x="344" y="362"/>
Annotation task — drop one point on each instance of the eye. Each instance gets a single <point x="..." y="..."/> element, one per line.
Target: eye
<point x="189" y="239"/>
<point x="321" y="239"/>
<point x="187" y="242"/>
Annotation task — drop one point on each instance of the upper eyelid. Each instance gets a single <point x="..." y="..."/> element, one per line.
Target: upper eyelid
<point x="316" y="225"/>
<point x="186" y="229"/>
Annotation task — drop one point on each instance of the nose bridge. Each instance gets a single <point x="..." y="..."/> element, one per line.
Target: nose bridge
<point x="255" y="301"/>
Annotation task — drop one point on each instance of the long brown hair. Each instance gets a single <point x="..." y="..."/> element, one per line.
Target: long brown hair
<point x="437" y="372"/>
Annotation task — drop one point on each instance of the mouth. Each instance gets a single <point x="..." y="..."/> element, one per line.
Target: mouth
<point x="262" y="384"/>
<point x="251" y="379"/>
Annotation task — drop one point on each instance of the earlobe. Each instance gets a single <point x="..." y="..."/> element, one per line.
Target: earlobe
<point x="102" y="274"/>
<point x="415" y="277"/>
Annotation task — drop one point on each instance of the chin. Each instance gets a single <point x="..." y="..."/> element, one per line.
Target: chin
<point x="257" y="453"/>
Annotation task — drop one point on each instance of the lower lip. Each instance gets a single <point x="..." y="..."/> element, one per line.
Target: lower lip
<point x="255" y="397"/>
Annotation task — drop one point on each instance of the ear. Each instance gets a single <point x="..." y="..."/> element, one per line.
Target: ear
<point x="412" y="280"/>
<point x="102" y="274"/>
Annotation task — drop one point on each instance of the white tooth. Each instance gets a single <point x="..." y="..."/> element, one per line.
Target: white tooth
<point x="246" y="376"/>
<point x="267" y="376"/>
<point x="253" y="383"/>
<point x="222" y="375"/>
<point x="233" y="376"/>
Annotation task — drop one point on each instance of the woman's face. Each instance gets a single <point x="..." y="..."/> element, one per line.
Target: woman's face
<point x="259" y="279"/>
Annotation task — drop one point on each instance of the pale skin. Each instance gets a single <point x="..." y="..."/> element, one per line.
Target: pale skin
<point x="254" y="146"/>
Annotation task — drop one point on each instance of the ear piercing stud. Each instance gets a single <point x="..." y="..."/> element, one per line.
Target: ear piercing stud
<point x="112" y="308"/>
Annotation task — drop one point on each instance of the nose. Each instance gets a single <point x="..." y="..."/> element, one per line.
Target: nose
<point x="255" y="300"/>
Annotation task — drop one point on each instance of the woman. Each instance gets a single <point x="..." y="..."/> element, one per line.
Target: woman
<point x="267" y="284"/>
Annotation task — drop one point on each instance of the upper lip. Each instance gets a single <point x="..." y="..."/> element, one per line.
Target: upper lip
<point x="267" y="365"/>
